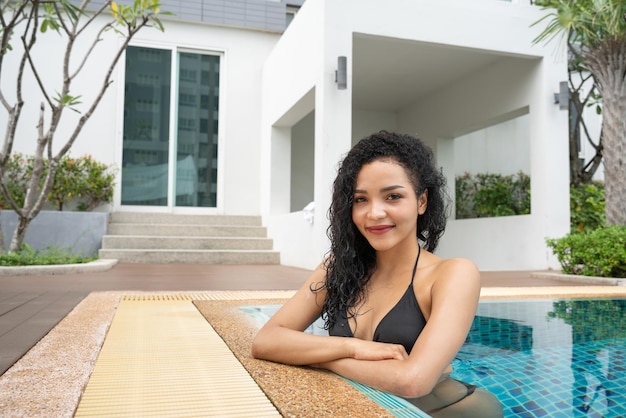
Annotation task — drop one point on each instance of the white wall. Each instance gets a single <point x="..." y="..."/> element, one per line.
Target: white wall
<point x="501" y="149"/>
<point x="244" y="52"/>
<point x="97" y="136"/>
<point x="366" y="122"/>
<point x="289" y="94"/>
<point x="523" y="79"/>
<point x="488" y="25"/>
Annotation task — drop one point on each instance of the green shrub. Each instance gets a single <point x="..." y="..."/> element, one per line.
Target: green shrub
<point x="587" y="207"/>
<point x="83" y="181"/>
<point x="67" y="183"/>
<point x="27" y="256"/>
<point x="98" y="184"/>
<point x="488" y="195"/>
<point x="601" y="252"/>
<point x="18" y="171"/>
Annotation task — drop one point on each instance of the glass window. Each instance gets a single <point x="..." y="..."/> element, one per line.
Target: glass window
<point x="150" y="175"/>
<point x="196" y="167"/>
<point x="145" y="152"/>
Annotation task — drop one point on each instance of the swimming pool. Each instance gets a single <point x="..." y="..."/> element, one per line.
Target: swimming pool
<point x="540" y="357"/>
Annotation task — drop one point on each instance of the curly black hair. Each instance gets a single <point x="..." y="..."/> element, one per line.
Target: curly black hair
<point x="351" y="259"/>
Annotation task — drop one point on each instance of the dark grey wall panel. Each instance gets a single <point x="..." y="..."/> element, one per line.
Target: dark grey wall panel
<point x="253" y="14"/>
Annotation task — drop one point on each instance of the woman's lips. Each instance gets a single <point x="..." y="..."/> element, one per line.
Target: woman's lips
<point x="379" y="230"/>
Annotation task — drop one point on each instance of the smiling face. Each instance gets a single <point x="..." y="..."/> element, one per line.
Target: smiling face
<point x="385" y="207"/>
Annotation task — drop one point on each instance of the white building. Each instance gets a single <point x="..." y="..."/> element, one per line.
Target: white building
<point x="223" y="113"/>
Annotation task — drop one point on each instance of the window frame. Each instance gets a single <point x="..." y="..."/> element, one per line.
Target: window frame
<point x="171" y="207"/>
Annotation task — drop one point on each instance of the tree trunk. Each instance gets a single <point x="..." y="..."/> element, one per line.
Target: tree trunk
<point x="3" y="250"/>
<point x="608" y="64"/>
<point x="35" y="194"/>
<point x="614" y="126"/>
<point x="581" y="173"/>
<point x="19" y="234"/>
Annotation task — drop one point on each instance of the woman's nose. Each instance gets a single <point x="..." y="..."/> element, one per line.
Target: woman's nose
<point x="376" y="210"/>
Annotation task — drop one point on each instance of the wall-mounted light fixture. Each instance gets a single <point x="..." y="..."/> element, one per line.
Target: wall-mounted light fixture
<point x="562" y="97"/>
<point x="341" y="75"/>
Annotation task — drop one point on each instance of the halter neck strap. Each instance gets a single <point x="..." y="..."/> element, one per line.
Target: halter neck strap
<point x="419" y="251"/>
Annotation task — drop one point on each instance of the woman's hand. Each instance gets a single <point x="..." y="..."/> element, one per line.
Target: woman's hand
<point x="371" y="350"/>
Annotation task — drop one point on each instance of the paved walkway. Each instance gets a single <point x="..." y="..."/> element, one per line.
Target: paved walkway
<point x="30" y="306"/>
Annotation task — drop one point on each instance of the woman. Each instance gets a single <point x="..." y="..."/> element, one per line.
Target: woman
<point x="408" y="310"/>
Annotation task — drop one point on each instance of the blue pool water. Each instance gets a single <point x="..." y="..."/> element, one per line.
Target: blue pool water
<point x="541" y="358"/>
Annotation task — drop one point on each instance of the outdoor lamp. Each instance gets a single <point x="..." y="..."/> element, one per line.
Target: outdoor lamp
<point x="562" y="97"/>
<point x="341" y="75"/>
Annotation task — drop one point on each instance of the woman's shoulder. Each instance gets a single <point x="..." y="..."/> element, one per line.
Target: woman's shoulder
<point x="456" y="270"/>
<point x="458" y="263"/>
<point x="446" y="266"/>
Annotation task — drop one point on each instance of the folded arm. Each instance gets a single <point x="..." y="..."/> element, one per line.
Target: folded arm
<point x="282" y="338"/>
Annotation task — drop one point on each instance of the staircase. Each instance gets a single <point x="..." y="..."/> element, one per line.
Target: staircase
<point x="188" y="239"/>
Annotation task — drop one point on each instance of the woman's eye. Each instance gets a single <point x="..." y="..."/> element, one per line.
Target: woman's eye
<point x="359" y="199"/>
<point x="394" y="196"/>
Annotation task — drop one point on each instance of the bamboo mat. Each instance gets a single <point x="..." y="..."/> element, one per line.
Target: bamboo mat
<point x="161" y="358"/>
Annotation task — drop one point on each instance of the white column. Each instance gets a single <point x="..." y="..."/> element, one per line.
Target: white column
<point x="549" y="158"/>
<point x="280" y="168"/>
<point x="333" y="125"/>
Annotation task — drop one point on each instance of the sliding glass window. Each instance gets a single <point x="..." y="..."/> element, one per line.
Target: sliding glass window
<point x="169" y="155"/>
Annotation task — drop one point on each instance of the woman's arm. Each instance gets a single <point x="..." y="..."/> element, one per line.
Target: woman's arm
<point x="454" y="298"/>
<point x="282" y="338"/>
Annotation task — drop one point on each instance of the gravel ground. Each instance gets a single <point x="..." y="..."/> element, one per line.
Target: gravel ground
<point x="49" y="380"/>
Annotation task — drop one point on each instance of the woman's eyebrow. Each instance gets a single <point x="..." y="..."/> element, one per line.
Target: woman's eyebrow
<point x="384" y="189"/>
<point x="390" y="188"/>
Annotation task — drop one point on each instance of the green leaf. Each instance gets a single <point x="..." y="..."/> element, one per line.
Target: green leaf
<point x="71" y="10"/>
<point x="68" y="101"/>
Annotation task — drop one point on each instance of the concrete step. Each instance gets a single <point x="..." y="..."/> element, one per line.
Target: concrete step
<point x="192" y="256"/>
<point x="112" y="242"/>
<point x="189" y="230"/>
<point x="179" y="219"/>
<point x="134" y="237"/>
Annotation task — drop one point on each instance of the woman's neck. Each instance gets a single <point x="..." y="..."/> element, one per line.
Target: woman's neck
<point x="397" y="259"/>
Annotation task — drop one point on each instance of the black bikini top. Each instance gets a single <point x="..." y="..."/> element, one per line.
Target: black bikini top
<point x="401" y="325"/>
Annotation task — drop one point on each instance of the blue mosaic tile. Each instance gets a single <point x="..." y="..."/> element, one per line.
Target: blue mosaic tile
<point x="540" y="358"/>
<point x="574" y="367"/>
<point x="399" y="407"/>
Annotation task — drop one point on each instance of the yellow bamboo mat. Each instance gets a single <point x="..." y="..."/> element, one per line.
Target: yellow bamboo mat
<point x="161" y="358"/>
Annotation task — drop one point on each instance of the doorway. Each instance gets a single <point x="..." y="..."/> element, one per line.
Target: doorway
<point x="170" y="134"/>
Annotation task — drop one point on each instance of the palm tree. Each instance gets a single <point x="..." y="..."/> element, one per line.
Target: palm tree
<point x="596" y="31"/>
